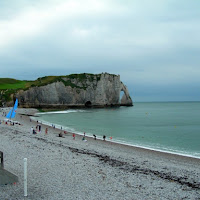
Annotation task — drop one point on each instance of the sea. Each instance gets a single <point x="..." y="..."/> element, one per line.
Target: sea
<point x="172" y="127"/>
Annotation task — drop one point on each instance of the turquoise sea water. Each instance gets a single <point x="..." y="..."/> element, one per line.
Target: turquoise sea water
<point x="171" y="127"/>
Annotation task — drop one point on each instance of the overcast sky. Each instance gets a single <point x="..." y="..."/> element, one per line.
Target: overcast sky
<point x="153" y="45"/>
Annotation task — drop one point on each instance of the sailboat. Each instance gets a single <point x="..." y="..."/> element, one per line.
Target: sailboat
<point x="12" y="112"/>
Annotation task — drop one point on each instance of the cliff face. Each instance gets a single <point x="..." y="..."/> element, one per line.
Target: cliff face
<point x="91" y="91"/>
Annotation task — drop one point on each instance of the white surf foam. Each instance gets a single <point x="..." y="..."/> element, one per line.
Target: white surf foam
<point x="60" y="112"/>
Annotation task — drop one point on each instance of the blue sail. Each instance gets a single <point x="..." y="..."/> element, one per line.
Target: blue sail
<point x="12" y="112"/>
<point x="16" y="104"/>
<point x="9" y="114"/>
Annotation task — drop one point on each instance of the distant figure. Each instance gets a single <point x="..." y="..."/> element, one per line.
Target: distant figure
<point x="73" y="136"/>
<point x="34" y="132"/>
<point x="84" y="139"/>
<point x="84" y="134"/>
<point x="95" y="137"/>
<point x="60" y="134"/>
<point x="39" y="128"/>
<point x="46" y="131"/>
<point x="104" y="137"/>
<point x="111" y="137"/>
<point x="31" y="130"/>
<point x="65" y="132"/>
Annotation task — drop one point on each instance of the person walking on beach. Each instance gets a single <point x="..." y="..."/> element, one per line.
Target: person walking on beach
<point x="31" y="130"/>
<point x="95" y="137"/>
<point x="73" y="136"/>
<point x="60" y="134"/>
<point x="46" y="131"/>
<point x="39" y="127"/>
<point x="104" y="137"/>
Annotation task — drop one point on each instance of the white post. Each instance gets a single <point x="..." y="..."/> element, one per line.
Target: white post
<point x="25" y="177"/>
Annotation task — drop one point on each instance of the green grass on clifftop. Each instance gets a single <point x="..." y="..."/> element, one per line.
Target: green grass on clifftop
<point x="7" y="83"/>
<point x="10" y="86"/>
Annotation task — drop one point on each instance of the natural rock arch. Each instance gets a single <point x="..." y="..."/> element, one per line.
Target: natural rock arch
<point x="81" y="90"/>
<point x="121" y="95"/>
<point x="126" y="99"/>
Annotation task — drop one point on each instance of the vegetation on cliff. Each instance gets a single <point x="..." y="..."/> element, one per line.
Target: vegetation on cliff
<point x="9" y="87"/>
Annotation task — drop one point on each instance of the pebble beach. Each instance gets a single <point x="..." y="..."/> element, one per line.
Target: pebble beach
<point x="62" y="168"/>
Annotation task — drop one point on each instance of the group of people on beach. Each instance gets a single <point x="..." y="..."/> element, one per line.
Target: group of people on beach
<point x="33" y="131"/>
<point x="95" y="137"/>
<point x="83" y="138"/>
<point x="11" y="123"/>
<point x="38" y="129"/>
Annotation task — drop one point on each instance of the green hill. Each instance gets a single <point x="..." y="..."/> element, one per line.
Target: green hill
<point x="7" y="83"/>
<point x="10" y="86"/>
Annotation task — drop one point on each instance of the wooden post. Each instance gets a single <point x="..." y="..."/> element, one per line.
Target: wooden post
<point x="25" y="177"/>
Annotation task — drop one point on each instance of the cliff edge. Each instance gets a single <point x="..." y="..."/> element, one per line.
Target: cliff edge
<point x="76" y="90"/>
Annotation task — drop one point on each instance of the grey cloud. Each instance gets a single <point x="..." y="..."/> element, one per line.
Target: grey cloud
<point x="152" y="43"/>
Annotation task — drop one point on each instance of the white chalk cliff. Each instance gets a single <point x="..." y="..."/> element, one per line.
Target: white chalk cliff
<point x="100" y="90"/>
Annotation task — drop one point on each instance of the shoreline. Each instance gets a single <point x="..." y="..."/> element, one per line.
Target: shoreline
<point x="119" y="142"/>
<point x="61" y="167"/>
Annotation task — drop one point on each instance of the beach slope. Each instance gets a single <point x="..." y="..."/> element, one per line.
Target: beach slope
<point x="62" y="168"/>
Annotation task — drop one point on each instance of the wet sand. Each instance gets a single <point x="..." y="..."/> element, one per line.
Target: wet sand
<point x="63" y="168"/>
